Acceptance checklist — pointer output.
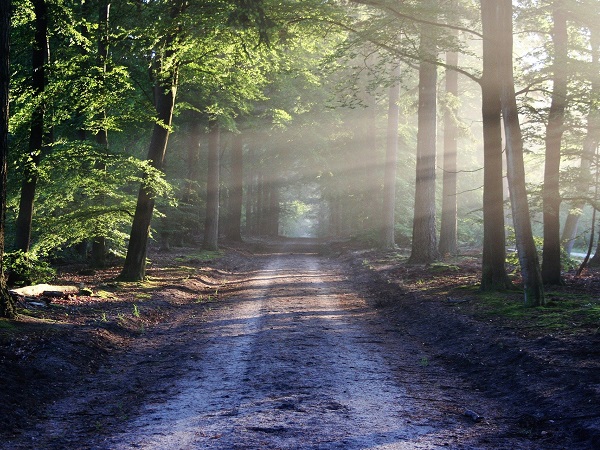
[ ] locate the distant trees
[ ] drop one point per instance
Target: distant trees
(234, 226)
(211, 222)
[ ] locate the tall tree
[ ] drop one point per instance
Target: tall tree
(211, 222)
(493, 269)
(273, 206)
(39, 57)
(590, 143)
(7, 306)
(234, 225)
(424, 240)
(551, 267)
(448, 220)
(99, 241)
(165, 72)
(528, 257)
(391, 160)
(250, 207)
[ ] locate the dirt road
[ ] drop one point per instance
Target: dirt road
(292, 358)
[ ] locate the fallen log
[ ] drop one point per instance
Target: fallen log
(46, 290)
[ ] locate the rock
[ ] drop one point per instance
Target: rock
(473, 415)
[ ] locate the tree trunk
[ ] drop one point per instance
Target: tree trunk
(165, 90)
(391, 159)
(99, 242)
(493, 264)
(261, 202)
(369, 167)
(211, 222)
(551, 273)
(424, 241)
(590, 144)
(273, 216)
(36, 135)
(448, 223)
(528, 258)
(7, 305)
(188, 192)
(234, 226)
(249, 207)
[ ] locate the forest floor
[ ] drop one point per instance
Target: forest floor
(305, 345)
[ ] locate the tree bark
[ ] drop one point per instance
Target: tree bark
(192, 161)
(369, 167)
(590, 144)
(448, 222)
(7, 305)
(250, 192)
(211, 222)
(391, 161)
(424, 241)
(36, 134)
(165, 90)
(551, 273)
(234, 227)
(273, 208)
(528, 258)
(493, 264)
(261, 201)
(99, 242)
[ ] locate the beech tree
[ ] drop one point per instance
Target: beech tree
(551, 265)
(448, 225)
(37, 132)
(588, 146)
(390, 168)
(211, 222)
(424, 239)
(493, 264)
(99, 241)
(236, 189)
(527, 252)
(165, 73)
(7, 306)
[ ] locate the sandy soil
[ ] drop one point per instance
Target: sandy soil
(292, 354)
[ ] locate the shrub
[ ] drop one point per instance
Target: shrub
(23, 269)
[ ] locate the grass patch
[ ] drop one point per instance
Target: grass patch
(104, 294)
(443, 267)
(198, 257)
(7, 325)
(149, 283)
(564, 311)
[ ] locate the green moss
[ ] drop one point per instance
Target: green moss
(443, 267)
(104, 294)
(6, 324)
(563, 311)
(201, 256)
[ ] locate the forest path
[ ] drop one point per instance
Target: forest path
(293, 358)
